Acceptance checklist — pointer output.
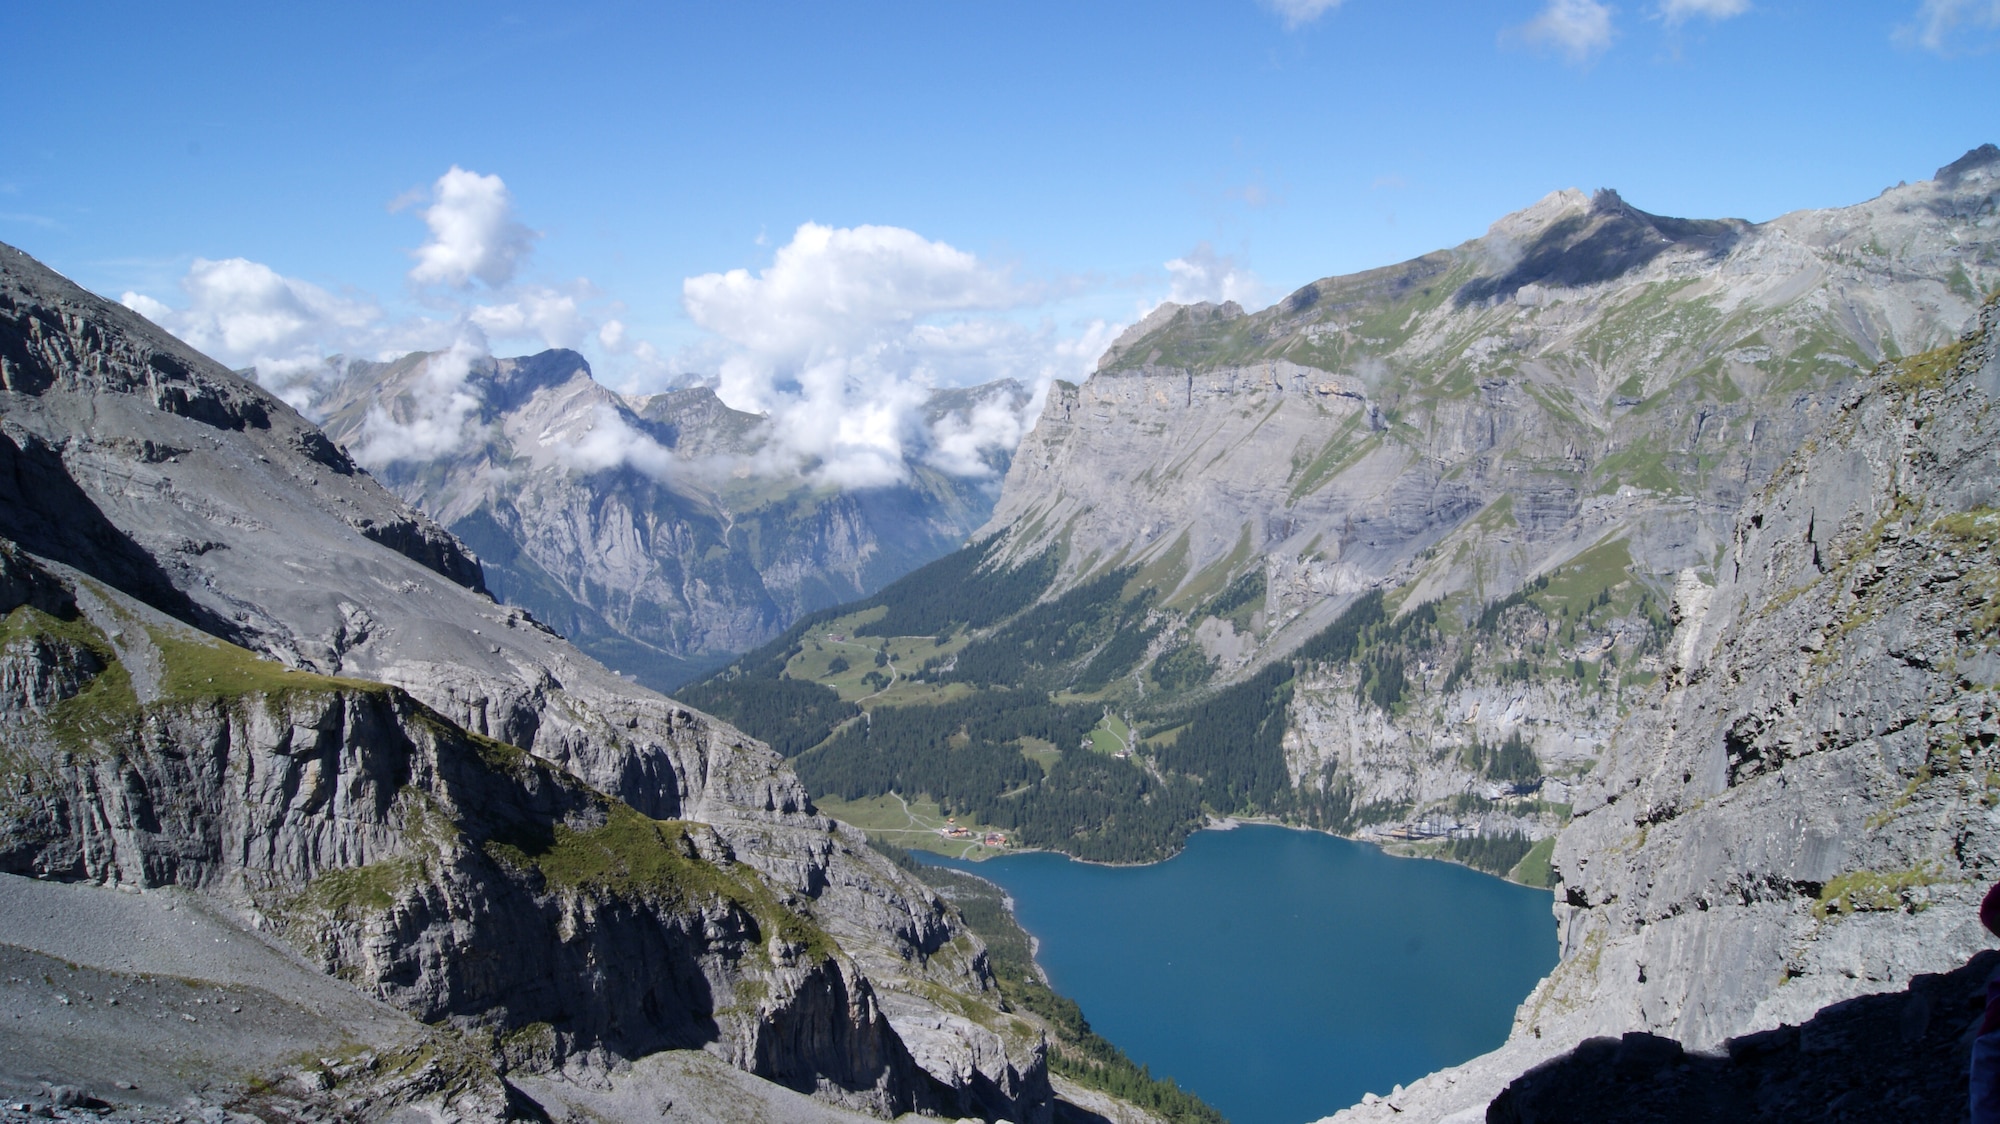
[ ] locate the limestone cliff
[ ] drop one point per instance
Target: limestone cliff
(1804, 812)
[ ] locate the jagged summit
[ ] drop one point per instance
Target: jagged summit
(1576, 244)
(1984, 158)
(662, 532)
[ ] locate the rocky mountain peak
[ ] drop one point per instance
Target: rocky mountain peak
(1531, 220)
(511, 382)
(1152, 322)
(1985, 158)
(1582, 244)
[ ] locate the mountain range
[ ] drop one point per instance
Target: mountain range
(650, 530)
(1393, 557)
(1645, 558)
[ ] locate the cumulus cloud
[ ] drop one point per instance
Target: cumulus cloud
(830, 289)
(843, 338)
(473, 232)
(841, 341)
(545, 314)
(432, 420)
(962, 442)
(1204, 275)
(1680, 11)
(1298, 13)
(1579, 29)
(611, 442)
(1951, 27)
(244, 312)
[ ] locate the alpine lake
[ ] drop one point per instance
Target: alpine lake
(1281, 974)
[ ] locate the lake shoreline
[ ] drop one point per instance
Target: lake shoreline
(1263, 953)
(1229, 823)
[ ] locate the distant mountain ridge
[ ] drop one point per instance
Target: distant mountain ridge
(644, 528)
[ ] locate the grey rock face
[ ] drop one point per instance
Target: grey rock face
(1805, 813)
(429, 867)
(141, 479)
(650, 530)
(1810, 803)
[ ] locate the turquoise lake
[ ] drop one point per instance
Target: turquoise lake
(1281, 974)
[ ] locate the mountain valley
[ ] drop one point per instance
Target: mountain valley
(1644, 559)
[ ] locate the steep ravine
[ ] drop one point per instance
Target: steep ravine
(1805, 811)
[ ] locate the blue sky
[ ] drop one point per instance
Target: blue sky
(1012, 179)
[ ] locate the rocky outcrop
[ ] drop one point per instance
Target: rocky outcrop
(237, 520)
(650, 530)
(1803, 815)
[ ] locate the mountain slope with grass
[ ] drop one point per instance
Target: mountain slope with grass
(1393, 557)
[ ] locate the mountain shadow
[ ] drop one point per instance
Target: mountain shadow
(1901, 1055)
(1606, 242)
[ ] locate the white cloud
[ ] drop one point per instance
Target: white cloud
(842, 339)
(830, 288)
(473, 232)
(246, 314)
(545, 314)
(1204, 275)
(243, 312)
(1580, 29)
(1679, 11)
(611, 442)
(961, 441)
(1951, 27)
(1298, 13)
(432, 421)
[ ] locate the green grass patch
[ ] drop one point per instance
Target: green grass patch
(354, 893)
(1979, 527)
(634, 856)
(1928, 369)
(912, 823)
(1534, 868)
(1872, 891)
(1111, 735)
(199, 667)
(1041, 752)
